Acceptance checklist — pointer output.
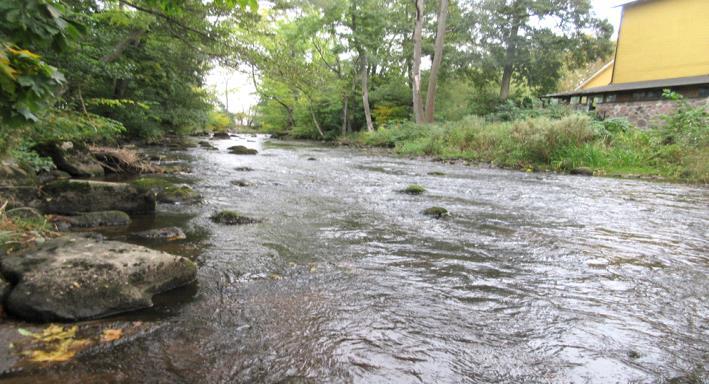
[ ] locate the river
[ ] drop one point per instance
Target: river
(534, 278)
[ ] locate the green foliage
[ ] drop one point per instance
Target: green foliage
(688, 125)
(610, 147)
(29, 158)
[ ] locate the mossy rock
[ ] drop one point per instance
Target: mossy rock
(167, 191)
(242, 150)
(232, 218)
(413, 189)
(436, 212)
(100, 219)
(72, 196)
(207, 145)
(582, 171)
(436, 173)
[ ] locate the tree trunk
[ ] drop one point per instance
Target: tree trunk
(509, 62)
(315, 121)
(365, 91)
(345, 105)
(437, 59)
(416, 71)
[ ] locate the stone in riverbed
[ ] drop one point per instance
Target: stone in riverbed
(207, 145)
(413, 189)
(72, 196)
(241, 183)
(94, 219)
(436, 212)
(583, 171)
(167, 191)
(166, 234)
(232, 218)
(243, 169)
(242, 150)
(78, 277)
(221, 135)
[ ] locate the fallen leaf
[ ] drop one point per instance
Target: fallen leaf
(111, 335)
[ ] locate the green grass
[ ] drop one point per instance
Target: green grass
(613, 147)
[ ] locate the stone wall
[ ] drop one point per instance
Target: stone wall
(644, 114)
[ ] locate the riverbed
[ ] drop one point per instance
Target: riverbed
(534, 278)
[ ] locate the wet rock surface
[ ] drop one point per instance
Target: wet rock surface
(163, 234)
(166, 191)
(80, 277)
(72, 196)
(242, 150)
(91, 220)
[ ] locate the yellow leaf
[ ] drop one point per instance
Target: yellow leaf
(62, 351)
(111, 335)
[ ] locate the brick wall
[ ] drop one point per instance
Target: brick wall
(643, 114)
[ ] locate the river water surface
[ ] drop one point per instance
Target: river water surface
(535, 278)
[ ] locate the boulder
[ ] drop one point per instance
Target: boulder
(206, 145)
(166, 191)
(93, 220)
(232, 218)
(221, 135)
(436, 212)
(72, 196)
(241, 183)
(4, 289)
(583, 171)
(243, 169)
(79, 277)
(166, 234)
(241, 150)
(74, 160)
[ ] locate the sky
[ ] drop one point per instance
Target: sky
(235, 89)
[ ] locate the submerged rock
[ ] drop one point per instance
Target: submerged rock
(311, 159)
(241, 150)
(207, 145)
(232, 218)
(71, 196)
(436, 173)
(166, 234)
(77, 277)
(241, 183)
(413, 189)
(75, 160)
(243, 169)
(221, 135)
(436, 212)
(167, 191)
(93, 220)
(583, 171)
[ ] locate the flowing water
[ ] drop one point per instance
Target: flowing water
(535, 278)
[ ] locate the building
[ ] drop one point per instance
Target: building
(662, 44)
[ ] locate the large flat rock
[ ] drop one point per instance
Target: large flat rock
(72, 196)
(79, 277)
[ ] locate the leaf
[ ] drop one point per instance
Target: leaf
(62, 351)
(24, 332)
(111, 335)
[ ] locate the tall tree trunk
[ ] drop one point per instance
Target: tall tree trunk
(509, 61)
(365, 90)
(315, 121)
(345, 117)
(437, 59)
(416, 71)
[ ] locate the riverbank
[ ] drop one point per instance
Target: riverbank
(574, 144)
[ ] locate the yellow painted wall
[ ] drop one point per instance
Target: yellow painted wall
(601, 78)
(663, 39)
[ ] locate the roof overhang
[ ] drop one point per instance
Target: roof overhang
(650, 84)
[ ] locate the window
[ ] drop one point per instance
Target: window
(647, 95)
(704, 92)
(611, 98)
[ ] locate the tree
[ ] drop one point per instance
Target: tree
(416, 70)
(531, 39)
(436, 62)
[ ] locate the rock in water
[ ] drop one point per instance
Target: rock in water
(583, 171)
(206, 145)
(78, 277)
(241, 150)
(240, 183)
(436, 212)
(167, 234)
(71, 196)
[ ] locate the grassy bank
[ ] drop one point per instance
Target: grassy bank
(679, 151)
